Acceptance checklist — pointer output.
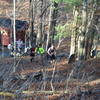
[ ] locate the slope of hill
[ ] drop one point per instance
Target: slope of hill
(51, 81)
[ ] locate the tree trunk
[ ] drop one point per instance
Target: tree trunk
(44, 23)
(81, 48)
(74, 32)
(81, 41)
(52, 23)
(32, 35)
(54, 18)
(49, 28)
(40, 29)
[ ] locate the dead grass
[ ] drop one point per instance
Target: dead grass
(60, 82)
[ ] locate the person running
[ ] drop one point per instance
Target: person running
(32, 53)
(40, 51)
(19, 45)
(51, 53)
(11, 49)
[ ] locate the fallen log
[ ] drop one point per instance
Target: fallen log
(7, 94)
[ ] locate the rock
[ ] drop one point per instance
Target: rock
(38, 76)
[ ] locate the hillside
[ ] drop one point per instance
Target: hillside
(77, 25)
(6, 9)
(42, 80)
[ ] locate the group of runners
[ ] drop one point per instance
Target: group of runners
(39, 50)
(34, 51)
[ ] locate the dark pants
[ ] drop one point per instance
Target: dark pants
(32, 56)
(51, 57)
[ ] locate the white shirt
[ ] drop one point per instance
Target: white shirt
(19, 43)
(9, 46)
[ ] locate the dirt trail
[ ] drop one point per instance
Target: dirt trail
(90, 81)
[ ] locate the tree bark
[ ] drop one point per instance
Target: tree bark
(74, 32)
(81, 41)
(40, 28)
(52, 23)
(32, 35)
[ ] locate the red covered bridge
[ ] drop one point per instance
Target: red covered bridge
(6, 30)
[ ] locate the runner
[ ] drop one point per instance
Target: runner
(19, 45)
(51, 53)
(32, 53)
(40, 51)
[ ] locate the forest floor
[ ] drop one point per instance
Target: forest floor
(45, 81)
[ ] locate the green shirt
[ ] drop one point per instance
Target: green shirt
(40, 50)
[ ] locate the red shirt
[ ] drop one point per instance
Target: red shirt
(32, 49)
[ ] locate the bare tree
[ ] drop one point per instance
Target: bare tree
(40, 31)
(74, 31)
(52, 23)
(32, 35)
